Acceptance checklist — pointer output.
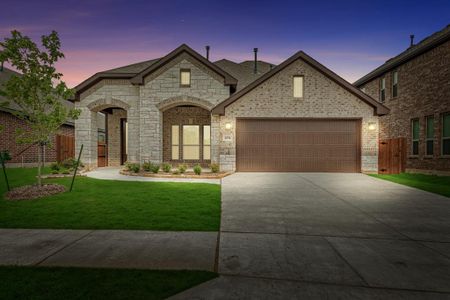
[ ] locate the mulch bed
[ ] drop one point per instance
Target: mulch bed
(190, 175)
(28, 192)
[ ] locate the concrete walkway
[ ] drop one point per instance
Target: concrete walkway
(112, 173)
(109, 249)
(328, 236)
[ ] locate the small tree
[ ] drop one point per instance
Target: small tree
(39, 90)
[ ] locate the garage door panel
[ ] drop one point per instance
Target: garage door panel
(311, 145)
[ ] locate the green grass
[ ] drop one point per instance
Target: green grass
(106, 204)
(431, 183)
(79, 283)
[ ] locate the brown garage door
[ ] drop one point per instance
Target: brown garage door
(298, 145)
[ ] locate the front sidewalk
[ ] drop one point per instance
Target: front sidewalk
(109, 249)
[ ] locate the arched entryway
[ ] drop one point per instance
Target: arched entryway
(111, 148)
(187, 135)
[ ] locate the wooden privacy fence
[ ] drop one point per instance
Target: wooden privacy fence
(65, 147)
(392, 156)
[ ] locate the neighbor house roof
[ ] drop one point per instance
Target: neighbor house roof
(12, 107)
(380, 109)
(423, 46)
(244, 72)
(238, 75)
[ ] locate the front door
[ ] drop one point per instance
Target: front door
(123, 140)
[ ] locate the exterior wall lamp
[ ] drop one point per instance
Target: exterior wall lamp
(228, 126)
(372, 126)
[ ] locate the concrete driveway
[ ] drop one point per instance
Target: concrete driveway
(317, 235)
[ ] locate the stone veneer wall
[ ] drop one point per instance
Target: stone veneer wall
(163, 85)
(144, 105)
(423, 90)
(323, 98)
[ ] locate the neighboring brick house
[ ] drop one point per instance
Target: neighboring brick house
(24, 154)
(416, 89)
(250, 116)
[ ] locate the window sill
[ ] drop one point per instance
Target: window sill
(413, 157)
(428, 157)
(444, 156)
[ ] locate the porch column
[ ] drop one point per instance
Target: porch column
(215, 139)
(86, 134)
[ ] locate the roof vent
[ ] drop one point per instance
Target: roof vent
(207, 52)
(411, 38)
(255, 67)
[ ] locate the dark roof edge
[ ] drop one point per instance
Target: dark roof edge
(139, 78)
(95, 79)
(380, 109)
(13, 111)
(413, 54)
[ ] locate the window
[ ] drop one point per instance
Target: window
(185, 77)
(191, 142)
(175, 142)
(446, 134)
(394, 84)
(298, 86)
(430, 135)
(206, 142)
(415, 136)
(382, 89)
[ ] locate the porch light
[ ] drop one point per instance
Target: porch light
(372, 126)
(228, 126)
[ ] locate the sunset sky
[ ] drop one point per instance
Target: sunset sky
(350, 37)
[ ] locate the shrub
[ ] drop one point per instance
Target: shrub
(182, 168)
(55, 167)
(154, 168)
(65, 171)
(147, 166)
(54, 171)
(132, 167)
(215, 168)
(176, 172)
(71, 163)
(198, 170)
(167, 168)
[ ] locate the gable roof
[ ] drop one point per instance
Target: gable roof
(380, 109)
(243, 72)
(139, 78)
(423, 46)
(12, 107)
(136, 72)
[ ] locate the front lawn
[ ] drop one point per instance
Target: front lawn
(431, 183)
(106, 204)
(79, 283)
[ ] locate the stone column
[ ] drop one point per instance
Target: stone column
(86, 135)
(215, 139)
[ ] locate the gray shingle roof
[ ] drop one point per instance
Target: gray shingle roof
(424, 45)
(5, 75)
(243, 72)
(133, 68)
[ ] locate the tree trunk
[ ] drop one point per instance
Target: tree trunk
(39, 180)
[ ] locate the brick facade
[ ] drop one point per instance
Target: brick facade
(423, 90)
(323, 98)
(183, 115)
(10, 123)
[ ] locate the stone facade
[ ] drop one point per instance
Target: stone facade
(144, 106)
(423, 90)
(323, 98)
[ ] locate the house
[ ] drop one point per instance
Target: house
(26, 155)
(250, 116)
(415, 86)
